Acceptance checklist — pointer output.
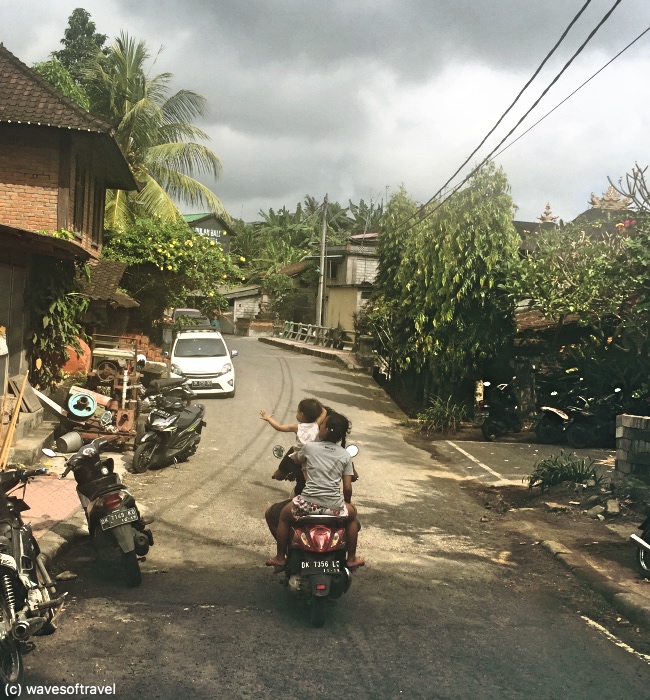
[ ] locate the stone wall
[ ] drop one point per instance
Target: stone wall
(633, 446)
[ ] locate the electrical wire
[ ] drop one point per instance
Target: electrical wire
(491, 154)
(622, 51)
(514, 102)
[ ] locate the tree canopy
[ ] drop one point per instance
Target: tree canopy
(439, 269)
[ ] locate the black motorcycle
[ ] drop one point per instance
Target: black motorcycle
(499, 413)
(28, 602)
(594, 425)
(172, 431)
(114, 521)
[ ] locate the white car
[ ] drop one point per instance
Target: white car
(202, 356)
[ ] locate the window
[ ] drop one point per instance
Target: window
(333, 269)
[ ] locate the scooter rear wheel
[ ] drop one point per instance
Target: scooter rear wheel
(579, 436)
(143, 457)
(549, 432)
(317, 611)
(132, 571)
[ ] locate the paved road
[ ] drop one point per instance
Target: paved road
(511, 462)
(446, 608)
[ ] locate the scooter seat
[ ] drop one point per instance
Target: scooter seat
(106, 484)
(328, 520)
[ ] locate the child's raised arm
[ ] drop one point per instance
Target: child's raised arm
(289, 428)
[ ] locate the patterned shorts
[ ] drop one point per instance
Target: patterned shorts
(302, 507)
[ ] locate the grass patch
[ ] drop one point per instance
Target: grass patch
(558, 469)
(441, 416)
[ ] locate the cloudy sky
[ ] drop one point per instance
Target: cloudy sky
(353, 98)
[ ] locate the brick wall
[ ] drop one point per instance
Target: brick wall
(29, 186)
(633, 446)
(38, 172)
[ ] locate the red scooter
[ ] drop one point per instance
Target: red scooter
(316, 560)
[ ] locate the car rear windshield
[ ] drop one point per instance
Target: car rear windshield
(200, 347)
(191, 313)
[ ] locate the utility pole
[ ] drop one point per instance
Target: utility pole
(321, 274)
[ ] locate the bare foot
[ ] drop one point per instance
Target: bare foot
(355, 563)
(278, 562)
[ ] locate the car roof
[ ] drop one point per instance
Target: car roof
(198, 332)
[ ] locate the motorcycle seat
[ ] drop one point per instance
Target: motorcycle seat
(189, 415)
(106, 484)
(328, 520)
(160, 385)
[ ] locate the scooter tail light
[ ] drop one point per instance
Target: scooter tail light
(112, 501)
(320, 537)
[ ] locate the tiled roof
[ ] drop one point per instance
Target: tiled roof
(105, 275)
(27, 98)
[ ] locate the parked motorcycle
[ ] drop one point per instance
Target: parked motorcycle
(28, 602)
(499, 415)
(172, 431)
(643, 548)
(595, 424)
(551, 422)
(316, 559)
(114, 521)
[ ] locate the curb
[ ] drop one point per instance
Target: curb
(57, 540)
(633, 606)
(347, 359)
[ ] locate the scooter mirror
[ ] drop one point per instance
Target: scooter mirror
(353, 450)
(278, 452)
(48, 452)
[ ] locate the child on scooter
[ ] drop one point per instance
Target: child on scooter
(327, 464)
(309, 416)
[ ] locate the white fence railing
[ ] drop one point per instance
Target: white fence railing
(336, 338)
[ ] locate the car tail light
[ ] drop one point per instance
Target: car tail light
(320, 537)
(111, 501)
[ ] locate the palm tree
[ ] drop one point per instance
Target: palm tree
(155, 134)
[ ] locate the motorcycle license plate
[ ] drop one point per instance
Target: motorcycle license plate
(120, 517)
(202, 383)
(310, 568)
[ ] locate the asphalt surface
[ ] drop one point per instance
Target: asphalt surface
(454, 602)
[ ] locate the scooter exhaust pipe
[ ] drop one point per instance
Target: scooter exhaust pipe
(640, 543)
(141, 542)
(24, 629)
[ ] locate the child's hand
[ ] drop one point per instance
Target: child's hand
(264, 415)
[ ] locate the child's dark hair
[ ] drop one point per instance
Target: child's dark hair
(310, 409)
(338, 426)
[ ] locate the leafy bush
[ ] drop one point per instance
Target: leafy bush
(441, 416)
(558, 469)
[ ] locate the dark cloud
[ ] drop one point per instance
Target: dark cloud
(349, 97)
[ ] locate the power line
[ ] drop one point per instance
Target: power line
(514, 128)
(622, 51)
(514, 102)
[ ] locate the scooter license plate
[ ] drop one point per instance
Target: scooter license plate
(311, 568)
(120, 517)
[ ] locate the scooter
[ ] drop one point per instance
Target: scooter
(316, 559)
(595, 424)
(28, 602)
(172, 434)
(114, 521)
(499, 416)
(643, 548)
